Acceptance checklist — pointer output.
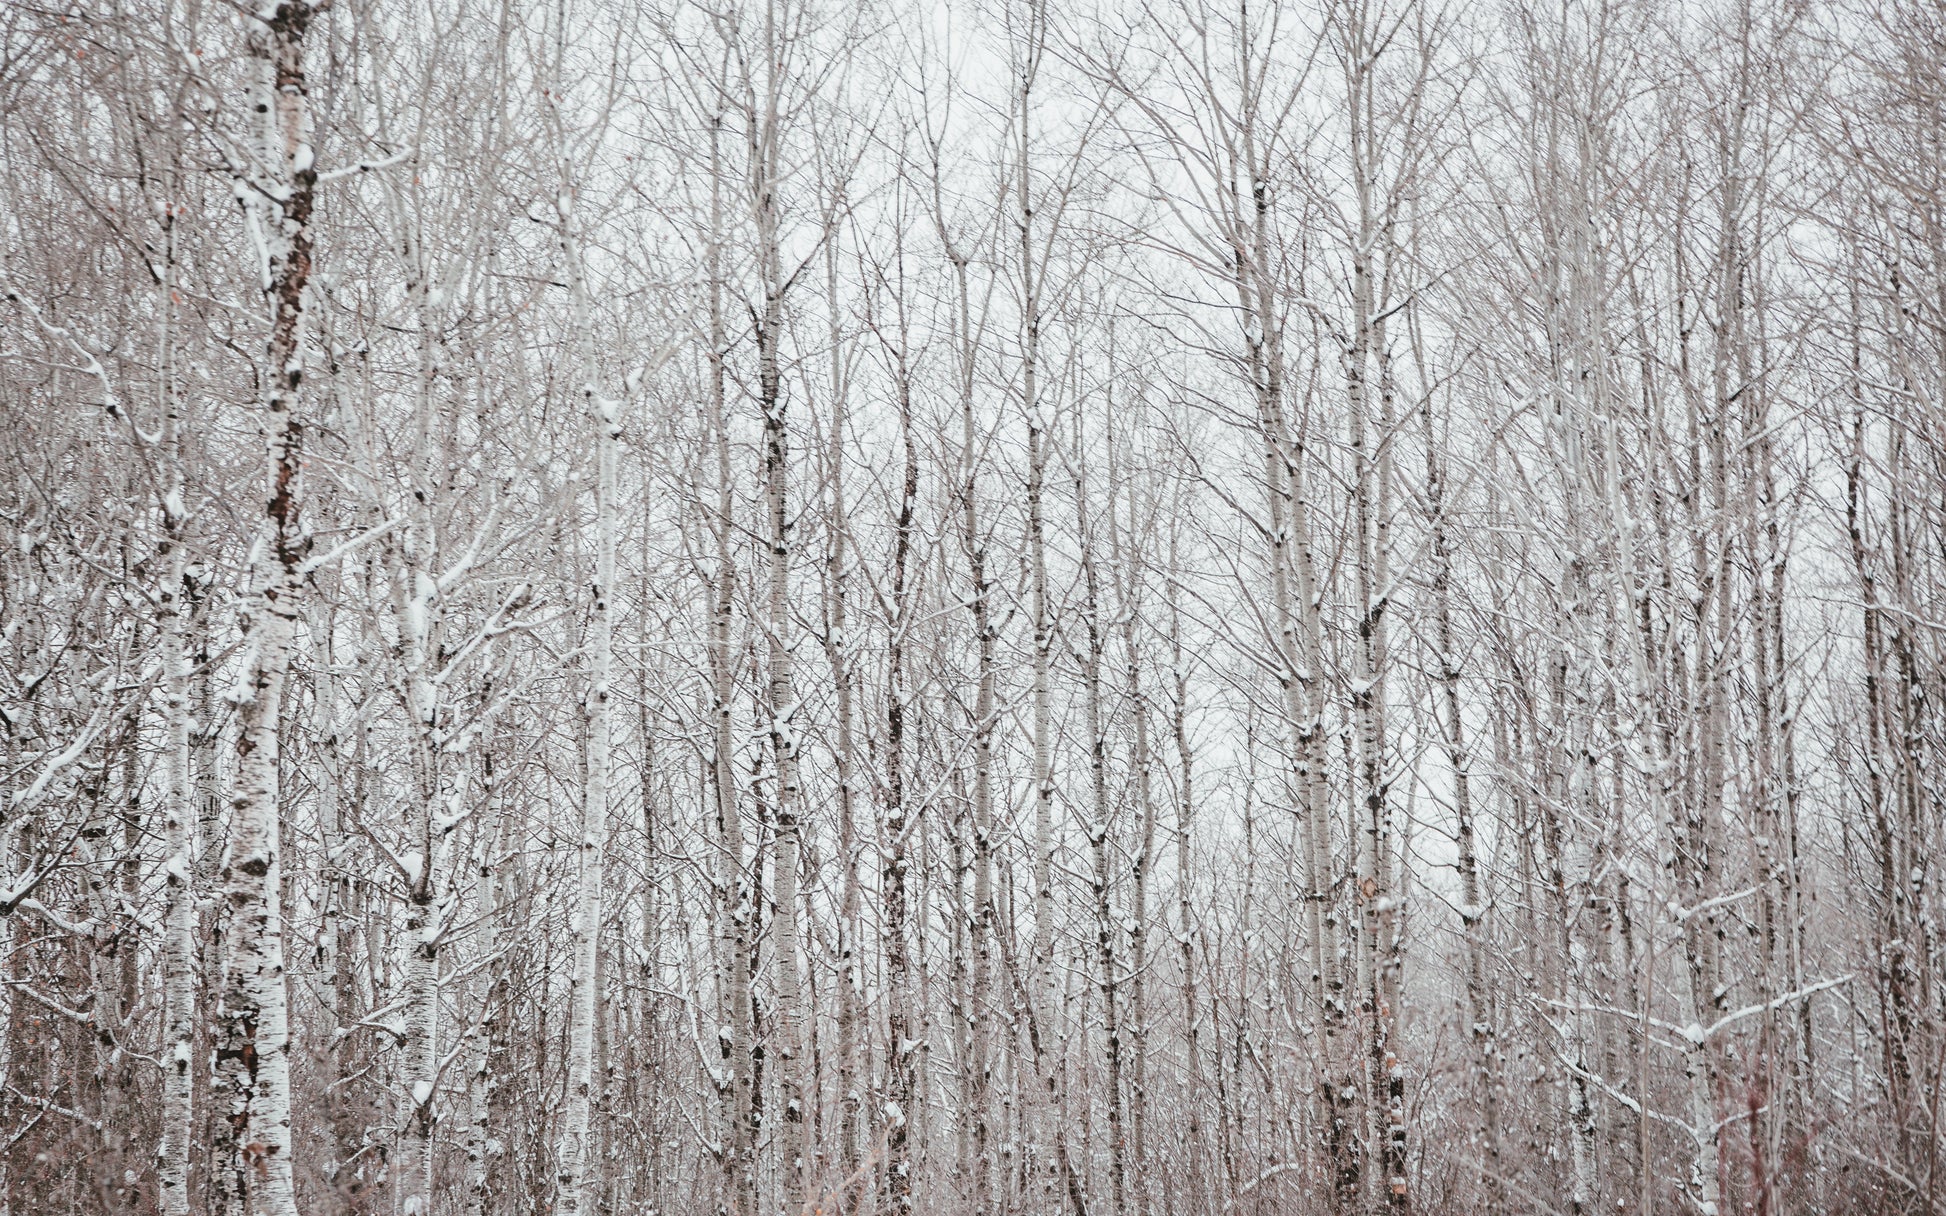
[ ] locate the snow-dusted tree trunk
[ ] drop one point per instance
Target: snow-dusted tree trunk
(1300, 654)
(734, 1072)
(905, 1038)
(981, 1016)
(1027, 54)
(982, 1058)
(333, 963)
(1480, 1030)
(764, 155)
(1196, 1185)
(1577, 1113)
(576, 1152)
(179, 913)
(1097, 826)
(253, 1172)
(839, 649)
(1128, 608)
(418, 604)
(482, 1077)
(1369, 391)
(179, 919)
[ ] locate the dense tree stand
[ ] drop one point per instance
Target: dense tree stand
(994, 608)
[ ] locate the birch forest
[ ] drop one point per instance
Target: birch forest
(964, 607)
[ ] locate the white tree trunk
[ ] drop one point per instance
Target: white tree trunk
(905, 1043)
(253, 1029)
(1041, 988)
(481, 1079)
(179, 920)
(576, 1148)
(1097, 828)
(179, 913)
(786, 965)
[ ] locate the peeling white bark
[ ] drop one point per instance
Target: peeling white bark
(252, 1163)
